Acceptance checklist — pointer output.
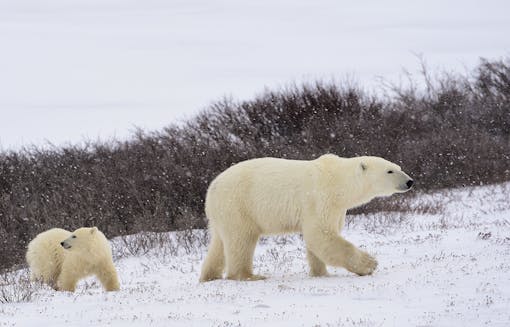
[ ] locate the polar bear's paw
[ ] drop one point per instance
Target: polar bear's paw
(246, 277)
(362, 263)
(255, 277)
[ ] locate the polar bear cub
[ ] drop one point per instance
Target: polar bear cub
(273, 196)
(61, 258)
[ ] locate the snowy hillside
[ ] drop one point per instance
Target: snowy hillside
(449, 267)
(89, 68)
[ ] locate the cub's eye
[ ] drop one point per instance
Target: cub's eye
(74, 236)
(390, 171)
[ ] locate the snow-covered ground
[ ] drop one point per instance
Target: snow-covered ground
(71, 69)
(450, 268)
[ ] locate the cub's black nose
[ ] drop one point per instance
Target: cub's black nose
(410, 183)
(62, 243)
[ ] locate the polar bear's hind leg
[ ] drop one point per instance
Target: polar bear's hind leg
(215, 260)
(239, 250)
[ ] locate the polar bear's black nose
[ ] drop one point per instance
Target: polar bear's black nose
(410, 183)
(62, 243)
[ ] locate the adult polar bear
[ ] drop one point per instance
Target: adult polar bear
(272, 196)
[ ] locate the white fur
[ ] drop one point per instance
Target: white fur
(87, 253)
(269, 196)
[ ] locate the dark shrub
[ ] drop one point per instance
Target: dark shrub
(454, 133)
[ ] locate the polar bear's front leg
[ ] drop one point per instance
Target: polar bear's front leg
(317, 266)
(334, 250)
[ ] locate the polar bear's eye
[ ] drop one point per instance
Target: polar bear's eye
(390, 171)
(74, 236)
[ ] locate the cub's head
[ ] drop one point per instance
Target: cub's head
(82, 238)
(383, 178)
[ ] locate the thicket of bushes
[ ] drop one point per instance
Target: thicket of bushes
(455, 132)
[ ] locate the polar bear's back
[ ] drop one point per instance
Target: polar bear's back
(45, 254)
(269, 192)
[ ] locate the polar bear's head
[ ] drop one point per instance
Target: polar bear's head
(381, 177)
(83, 238)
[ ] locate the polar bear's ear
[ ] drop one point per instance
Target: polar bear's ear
(93, 230)
(363, 166)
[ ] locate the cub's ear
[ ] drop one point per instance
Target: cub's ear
(93, 230)
(363, 166)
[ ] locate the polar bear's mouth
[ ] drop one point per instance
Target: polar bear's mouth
(65, 245)
(407, 186)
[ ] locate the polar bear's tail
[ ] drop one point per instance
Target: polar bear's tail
(214, 263)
